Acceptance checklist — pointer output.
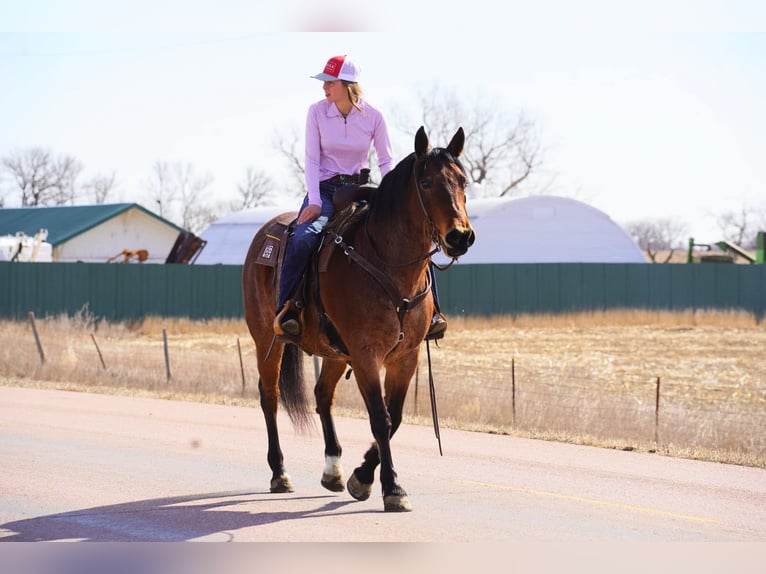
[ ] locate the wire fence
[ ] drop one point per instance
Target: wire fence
(563, 399)
(567, 399)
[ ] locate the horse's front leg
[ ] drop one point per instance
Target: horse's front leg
(360, 483)
(399, 373)
(324, 391)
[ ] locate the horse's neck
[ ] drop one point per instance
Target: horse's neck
(402, 241)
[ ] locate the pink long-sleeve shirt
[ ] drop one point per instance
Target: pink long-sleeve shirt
(337, 145)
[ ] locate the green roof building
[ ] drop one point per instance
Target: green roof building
(96, 233)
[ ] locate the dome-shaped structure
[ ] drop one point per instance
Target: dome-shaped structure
(546, 229)
(535, 229)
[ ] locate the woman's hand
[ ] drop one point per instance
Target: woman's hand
(309, 213)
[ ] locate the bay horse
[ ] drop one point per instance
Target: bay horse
(368, 310)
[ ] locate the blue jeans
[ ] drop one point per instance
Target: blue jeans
(303, 243)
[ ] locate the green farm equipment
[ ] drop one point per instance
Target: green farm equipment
(728, 251)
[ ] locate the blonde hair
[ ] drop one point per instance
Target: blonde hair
(354, 93)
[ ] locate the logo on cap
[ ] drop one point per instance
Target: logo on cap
(334, 65)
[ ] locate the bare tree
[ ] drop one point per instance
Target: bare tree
(158, 186)
(654, 236)
(99, 187)
(42, 178)
(180, 194)
(289, 147)
(739, 227)
(501, 152)
(195, 210)
(256, 189)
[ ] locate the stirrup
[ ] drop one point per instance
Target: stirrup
(437, 328)
(287, 325)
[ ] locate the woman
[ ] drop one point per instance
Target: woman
(339, 132)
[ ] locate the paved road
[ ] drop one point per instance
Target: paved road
(78, 466)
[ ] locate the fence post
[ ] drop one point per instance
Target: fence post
(37, 337)
(657, 413)
(100, 356)
(167, 356)
(241, 366)
(513, 391)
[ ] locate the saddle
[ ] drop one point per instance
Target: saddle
(350, 202)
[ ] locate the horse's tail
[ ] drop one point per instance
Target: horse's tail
(292, 388)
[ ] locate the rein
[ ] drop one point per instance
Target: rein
(401, 304)
(432, 395)
(444, 267)
(396, 265)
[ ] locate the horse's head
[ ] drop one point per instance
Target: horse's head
(440, 181)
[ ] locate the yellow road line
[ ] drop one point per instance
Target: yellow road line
(593, 501)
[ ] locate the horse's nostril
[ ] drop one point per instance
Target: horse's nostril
(459, 240)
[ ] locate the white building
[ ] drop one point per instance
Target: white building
(535, 229)
(546, 229)
(229, 238)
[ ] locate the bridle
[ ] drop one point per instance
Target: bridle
(435, 238)
(434, 233)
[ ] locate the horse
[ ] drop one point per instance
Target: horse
(368, 309)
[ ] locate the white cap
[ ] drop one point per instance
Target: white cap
(339, 68)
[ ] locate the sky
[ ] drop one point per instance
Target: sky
(644, 111)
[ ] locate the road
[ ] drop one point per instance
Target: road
(89, 467)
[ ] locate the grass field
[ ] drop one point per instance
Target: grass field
(679, 384)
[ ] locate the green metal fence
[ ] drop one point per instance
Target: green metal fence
(563, 287)
(120, 291)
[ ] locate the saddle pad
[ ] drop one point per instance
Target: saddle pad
(269, 251)
(275, 233)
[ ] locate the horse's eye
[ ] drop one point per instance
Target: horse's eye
(425, 183)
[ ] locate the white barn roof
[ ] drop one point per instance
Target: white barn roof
(228, 239)
(546, 229)
(535, 229)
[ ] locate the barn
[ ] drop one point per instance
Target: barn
(535, 229)
(546, 229)
(124, 232)
(228, 239)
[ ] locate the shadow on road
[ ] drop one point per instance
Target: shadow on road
(171, 519)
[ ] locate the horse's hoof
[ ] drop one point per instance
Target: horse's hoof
(333, 483)
(281, 484)
(357, 489)
(396, 503)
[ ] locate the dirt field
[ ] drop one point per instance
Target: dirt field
(686, 385)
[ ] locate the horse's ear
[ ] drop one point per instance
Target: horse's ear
(455, 146)
(421, 142)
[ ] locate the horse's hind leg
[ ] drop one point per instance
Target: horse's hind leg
(324, 391)
(268, 387)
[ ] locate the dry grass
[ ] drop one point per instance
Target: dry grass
(584, 378)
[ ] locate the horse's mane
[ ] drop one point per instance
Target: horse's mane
(387, 198)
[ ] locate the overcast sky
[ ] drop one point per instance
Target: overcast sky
(666, 118)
